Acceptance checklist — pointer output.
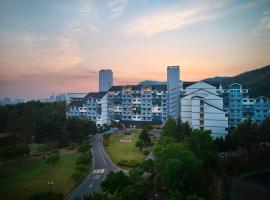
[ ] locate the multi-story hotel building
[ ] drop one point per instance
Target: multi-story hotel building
(204, 105)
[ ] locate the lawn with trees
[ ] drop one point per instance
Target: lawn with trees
(188, 165)
(22, 179)
(122, 150)
(38, 145)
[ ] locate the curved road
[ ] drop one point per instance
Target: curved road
(102, 165)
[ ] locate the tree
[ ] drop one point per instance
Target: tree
(14, 150)
(176, 130)
(128, 192)
(184, 130)
(170, 129)
(78, 129)
(177, 166)
(144, 137)
(53, 158)
(201, 143)
(139, 144)
(264, 131)
(115, 181)
(84, 148)
(245, 134)
(27, 125)
(83, 159)
(148, 165)
(174, 195)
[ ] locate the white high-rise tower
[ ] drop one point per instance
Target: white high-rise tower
(173, 87)
(105, 80)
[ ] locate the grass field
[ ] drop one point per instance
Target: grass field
(118, 150)
(21, 179)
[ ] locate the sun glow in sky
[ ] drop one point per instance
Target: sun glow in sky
(59, 45)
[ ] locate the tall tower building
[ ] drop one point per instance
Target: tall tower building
(173, 87)
(105, 80)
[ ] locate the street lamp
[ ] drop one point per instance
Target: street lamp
(50, 183)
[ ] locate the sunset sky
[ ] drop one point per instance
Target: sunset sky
(54, 46)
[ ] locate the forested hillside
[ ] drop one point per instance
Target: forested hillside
(257, 81)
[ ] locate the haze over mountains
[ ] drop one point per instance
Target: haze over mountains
(257, 81)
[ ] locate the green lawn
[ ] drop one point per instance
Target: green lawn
(123, 150)
(21, 179)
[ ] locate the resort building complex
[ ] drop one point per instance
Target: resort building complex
(204, 105)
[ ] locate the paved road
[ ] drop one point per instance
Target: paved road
(102, 165)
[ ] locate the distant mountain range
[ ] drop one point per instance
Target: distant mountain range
(149, 82)
(216, 78)
(257, 81)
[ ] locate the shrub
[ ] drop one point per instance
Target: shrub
(146, 152)
(126, 163)
(133, 163)
(83, 159)
(14, 151)
(122, 162)
(41, 148)
(127, 133)
(53, 158)
(55, 151)
(84, 148)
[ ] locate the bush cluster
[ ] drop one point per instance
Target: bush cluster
(53, 157)
(128, 163)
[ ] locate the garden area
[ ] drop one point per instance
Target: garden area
(123, 151)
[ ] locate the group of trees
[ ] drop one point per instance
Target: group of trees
(186, 164)
(41, 123)
(177, 172)
(183, 158)
(144, 139)
(247, 136)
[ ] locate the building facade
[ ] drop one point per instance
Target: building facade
(137, 104)
(203, 105)
(240, 105)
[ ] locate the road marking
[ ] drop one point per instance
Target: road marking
(98, 171)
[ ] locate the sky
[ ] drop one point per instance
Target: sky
(57, 46)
